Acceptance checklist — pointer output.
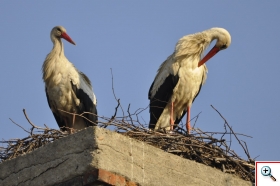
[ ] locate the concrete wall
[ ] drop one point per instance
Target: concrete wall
(109, 158)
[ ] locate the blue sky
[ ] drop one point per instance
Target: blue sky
(134, 38)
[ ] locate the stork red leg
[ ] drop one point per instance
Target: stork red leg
(188, 124)
(171, 117)
(73, 121)
(72, 130)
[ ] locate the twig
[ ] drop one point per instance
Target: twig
(232, 131)
(33, 126)
(20, 126)
(129, 115)
(113, 89)
(114, 116)
(196, 119)
(246, 149)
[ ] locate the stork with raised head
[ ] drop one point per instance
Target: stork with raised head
(67, 89)
(180, 77)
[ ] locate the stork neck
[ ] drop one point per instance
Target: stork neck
(221, 35)
(58, 49)
(213, 34)
(55, 56)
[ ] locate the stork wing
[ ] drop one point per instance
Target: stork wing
(58, 119)
(161, 89)
(84, 93)
(159, 101)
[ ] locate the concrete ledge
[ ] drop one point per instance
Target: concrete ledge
(96, 156)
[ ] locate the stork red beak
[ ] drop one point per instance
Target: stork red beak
(67, 38)
(210, 54)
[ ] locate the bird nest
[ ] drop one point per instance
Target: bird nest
(201, 146)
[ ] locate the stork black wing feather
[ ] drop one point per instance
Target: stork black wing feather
(86, 105)
(159, 101)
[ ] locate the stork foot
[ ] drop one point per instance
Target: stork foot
(72, 131)
(171, 132)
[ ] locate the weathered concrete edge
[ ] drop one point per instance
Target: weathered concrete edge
(55, 162)
(148, 165)
(94, 148)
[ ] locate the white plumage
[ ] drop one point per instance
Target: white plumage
(67, 89)
(180, 77)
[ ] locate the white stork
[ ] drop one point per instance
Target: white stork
(67, 89)
(180, 77)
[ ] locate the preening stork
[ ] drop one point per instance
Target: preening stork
(180, 77)
(67, 89)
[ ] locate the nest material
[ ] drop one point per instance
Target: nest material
(201, 146)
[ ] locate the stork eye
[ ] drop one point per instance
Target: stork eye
(59, 29)
(224, 46)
